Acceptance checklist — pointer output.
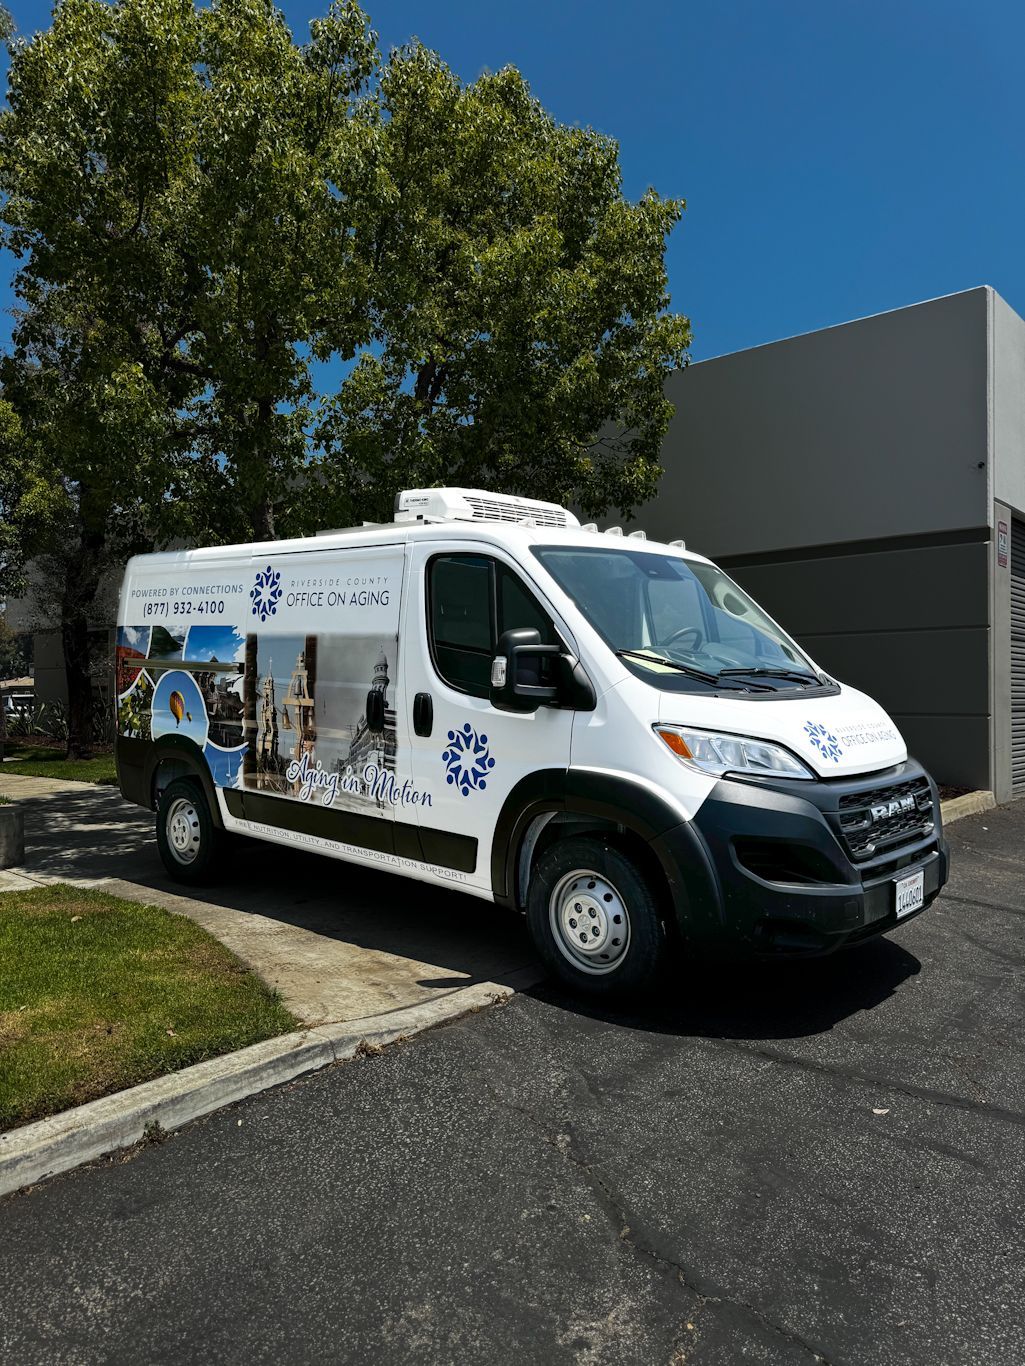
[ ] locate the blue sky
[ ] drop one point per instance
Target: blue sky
(220, 642)
(839, 157)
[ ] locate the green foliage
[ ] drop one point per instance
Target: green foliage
(280, 153)
(201, 208)
(195, 200)
(31, 501)
(167, 195)
(36, 762)
(48, 719)
(134, 710)
(15, 652)
(521, 338)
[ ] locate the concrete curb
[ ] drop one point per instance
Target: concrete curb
(50, 1146)
(968, 805)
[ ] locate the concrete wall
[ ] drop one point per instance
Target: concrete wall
(844, 479)
(1008, 352)
(911, 628)
(51, 684)
(874, 429)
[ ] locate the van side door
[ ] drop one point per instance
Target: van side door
(324, 720)
(468, 756)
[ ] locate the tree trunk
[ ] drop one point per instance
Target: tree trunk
(78, 672)
(81, 568)
(263, 520)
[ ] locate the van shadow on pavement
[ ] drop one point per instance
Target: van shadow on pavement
(761, 999)
(341, 942)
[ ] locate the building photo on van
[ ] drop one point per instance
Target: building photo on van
(602, 732)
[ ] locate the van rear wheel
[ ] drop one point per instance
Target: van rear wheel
(595, 918)
(187, 838)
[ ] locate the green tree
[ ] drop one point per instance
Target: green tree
(282, 152)
(521, 333)
(200, 208)
(165, 194)
(15, 651)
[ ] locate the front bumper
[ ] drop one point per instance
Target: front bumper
(766, 867)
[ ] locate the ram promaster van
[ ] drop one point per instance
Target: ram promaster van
(600, 731)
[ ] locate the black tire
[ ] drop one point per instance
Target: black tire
(187, 838)
(588, 891)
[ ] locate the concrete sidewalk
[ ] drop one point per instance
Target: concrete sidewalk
(337, 941)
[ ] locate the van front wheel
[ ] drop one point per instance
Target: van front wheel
(187, 838)
(594, 918)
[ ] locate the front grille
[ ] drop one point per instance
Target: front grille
(866, 832)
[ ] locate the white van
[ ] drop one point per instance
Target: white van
(600, 731)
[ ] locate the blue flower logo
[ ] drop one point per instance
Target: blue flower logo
(265, 593)
(467, 760)
(824, 741)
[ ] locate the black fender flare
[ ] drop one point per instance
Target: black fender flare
(618, 800)
(138, 761)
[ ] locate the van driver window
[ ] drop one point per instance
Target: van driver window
(472, 600)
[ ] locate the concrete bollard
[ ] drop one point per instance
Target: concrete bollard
(12, 835)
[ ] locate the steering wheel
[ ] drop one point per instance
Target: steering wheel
(694, 631)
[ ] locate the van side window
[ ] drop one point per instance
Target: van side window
(471, 600)
(461, 626)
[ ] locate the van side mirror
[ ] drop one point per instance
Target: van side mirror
(516, 671)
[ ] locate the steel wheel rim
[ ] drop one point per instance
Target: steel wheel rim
(589, 922)
(184, 834)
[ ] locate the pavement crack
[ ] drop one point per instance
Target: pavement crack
(945, 1099)
(626, 1229)
(1014, 960)
(915, 1146)
(986, 905)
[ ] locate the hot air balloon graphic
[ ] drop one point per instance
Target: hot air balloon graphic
(176, 705)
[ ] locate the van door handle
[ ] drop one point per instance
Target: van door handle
(423, 713)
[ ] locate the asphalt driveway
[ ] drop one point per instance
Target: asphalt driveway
(819, 1163)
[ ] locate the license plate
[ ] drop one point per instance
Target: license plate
(910, 893)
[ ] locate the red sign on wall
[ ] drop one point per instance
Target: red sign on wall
(1002, 544)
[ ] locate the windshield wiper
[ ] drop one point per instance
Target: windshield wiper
(688, 669)
(802, 675)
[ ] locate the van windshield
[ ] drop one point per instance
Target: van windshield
(679, 624)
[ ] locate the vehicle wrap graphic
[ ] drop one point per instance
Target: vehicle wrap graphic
(468, 760)
(279, 702)
(266, 593)
(824, 741)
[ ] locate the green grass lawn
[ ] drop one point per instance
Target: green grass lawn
(98, 993)
(34, 761)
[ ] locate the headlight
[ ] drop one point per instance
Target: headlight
(717, 754)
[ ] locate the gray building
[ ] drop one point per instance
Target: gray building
(866, 483)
